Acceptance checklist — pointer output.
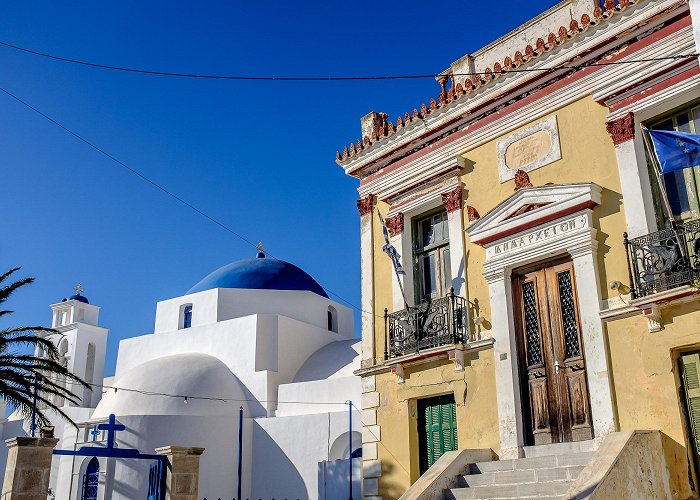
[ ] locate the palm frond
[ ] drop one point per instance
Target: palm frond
(33, 384)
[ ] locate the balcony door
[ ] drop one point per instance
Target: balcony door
(550, 356)
(432, 256)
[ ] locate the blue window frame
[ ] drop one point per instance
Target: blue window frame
(187, 317)
(91, 480)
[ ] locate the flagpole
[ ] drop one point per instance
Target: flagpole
(662, 187)
(396, 271)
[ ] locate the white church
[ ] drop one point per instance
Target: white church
(258, 333)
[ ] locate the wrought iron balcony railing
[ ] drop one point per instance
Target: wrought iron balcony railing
(663, 260)
(435, 323)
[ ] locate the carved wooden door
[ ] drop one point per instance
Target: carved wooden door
(550, 351)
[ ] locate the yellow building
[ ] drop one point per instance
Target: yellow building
(542, 302)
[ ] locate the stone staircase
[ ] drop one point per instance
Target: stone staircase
(546, 472)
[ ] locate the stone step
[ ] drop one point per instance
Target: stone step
(545, 450)
(572, 459)
(522, 476)
(549, 489)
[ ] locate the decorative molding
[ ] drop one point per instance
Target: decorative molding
(395, 224)
(381, 173)
(472, 213)
(458, 357)
(522, 180)
(364, 205)
(622, 129)
(461, 90)
(400, 375)
(555, 201)
(452, 199)
(529, 149)
(653, 315)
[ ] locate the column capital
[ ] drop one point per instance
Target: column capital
(452, 199)
(395, 224)
(622, 129)
(179, 450)
(364, 205)
(29, 441)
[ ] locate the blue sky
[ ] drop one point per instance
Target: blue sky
(259, 156)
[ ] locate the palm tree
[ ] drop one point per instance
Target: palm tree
(27, 382)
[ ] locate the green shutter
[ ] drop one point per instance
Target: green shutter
(691, 385)
(439, 429)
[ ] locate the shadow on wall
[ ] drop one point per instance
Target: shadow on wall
(333, 479)
(281, 478)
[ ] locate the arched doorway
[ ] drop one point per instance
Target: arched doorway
(91, 480)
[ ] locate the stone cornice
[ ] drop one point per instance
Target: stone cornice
(469, 137)
(619, 25)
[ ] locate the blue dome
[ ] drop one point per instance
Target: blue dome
(79, 298)
(259, 274)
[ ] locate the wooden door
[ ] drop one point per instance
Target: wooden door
(437, 429)
(550, 355)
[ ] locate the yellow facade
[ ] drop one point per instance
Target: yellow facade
(638, 340)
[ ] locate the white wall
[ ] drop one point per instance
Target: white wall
(244, 344)
(223, 304)
(287, 453)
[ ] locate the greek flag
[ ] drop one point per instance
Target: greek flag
(389, 249)
(676, 150)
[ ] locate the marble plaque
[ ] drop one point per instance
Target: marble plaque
(529, 149)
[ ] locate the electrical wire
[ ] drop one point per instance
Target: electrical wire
(318, 78)
(165, 190)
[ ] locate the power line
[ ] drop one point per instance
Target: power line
(162, 188)
(206, 76)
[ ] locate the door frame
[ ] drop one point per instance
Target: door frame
(575, 236)
(549, 350)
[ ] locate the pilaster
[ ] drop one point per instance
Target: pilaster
(631, 163)
(506, 359)
(365, 207)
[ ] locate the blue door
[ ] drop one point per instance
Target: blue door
(91, 480)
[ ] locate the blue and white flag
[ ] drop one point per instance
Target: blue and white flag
(389, 249)
(676, 150)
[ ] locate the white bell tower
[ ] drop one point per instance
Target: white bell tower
(81, 343)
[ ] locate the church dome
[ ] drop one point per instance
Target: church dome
(259, 273)
(191, 374)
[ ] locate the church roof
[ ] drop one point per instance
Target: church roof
(260, 273)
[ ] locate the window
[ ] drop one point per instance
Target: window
(432, 256)
(332, 319)
(187, 316)
(682, 185)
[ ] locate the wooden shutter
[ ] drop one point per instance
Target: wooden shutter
(440, 429)
(691, 385)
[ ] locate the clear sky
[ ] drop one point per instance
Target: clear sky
(259, 156)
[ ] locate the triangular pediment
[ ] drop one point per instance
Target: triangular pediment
(532, 206)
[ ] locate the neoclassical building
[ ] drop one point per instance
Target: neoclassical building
(549, 305)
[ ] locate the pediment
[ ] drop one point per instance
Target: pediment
(532, 206)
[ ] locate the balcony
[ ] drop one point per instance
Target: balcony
(439, 322)
(663, 260)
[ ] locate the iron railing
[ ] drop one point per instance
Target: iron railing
(435, 323)
(664, 260)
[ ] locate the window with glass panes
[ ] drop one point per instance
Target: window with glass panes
(682, 185)
(432, 256)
